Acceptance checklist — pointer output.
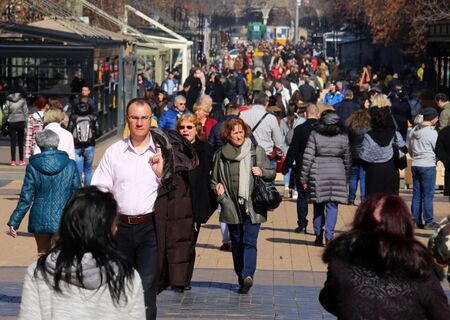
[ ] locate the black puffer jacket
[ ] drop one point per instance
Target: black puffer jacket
(326, 161)
(355, 290)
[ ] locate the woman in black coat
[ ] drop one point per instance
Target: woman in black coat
(203, 200)
(378, 270)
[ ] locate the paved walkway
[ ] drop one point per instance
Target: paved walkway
(289, 277)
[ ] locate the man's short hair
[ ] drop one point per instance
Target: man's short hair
(261, 98)
(47, 139)
(231, 108)
(348, 95)
(441, 97)
(138, 101)
(179, 98)
(312, 110)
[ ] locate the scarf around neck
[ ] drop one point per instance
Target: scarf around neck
(243, 155)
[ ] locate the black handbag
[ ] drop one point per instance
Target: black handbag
(5, 128)
(399, 157)
(264, 195)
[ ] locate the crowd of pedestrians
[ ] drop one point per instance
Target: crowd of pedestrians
(195, 148)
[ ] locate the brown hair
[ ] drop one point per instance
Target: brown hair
(359, 119)
(198, 126)
(228, 126)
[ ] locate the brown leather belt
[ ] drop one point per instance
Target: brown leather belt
(136, 219)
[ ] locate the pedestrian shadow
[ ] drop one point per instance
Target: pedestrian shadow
(207, 246)
(10, 299)
(22, 234)
(423, 235)
(210, 226)
(291, 241)
(215, 285)
(277, 229)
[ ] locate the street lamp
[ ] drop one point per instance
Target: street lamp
(298, 3)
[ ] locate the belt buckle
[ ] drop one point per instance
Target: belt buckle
(129, 218)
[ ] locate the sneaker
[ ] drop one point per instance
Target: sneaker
(13, 163)
(247, 283)
(286, 192)
(21, 163)
(431, 225)
(295, 195)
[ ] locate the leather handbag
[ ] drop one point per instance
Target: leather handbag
(399, 156)
(264, 195)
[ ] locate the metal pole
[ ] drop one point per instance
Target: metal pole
(297, 3)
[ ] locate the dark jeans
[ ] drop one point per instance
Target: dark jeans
(138, 245)
(302, 204)
(244, 238)
(17, 134)
(357, 172)
(424, 184)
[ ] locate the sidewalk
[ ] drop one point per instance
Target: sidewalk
(289, 277)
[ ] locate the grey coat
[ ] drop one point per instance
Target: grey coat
(229, 200)
(326, 167)
(15, 108)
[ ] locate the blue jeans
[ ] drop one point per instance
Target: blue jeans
(325, 214)
(424, 181)
(84, 157)
(244, 238)
(357, 172)
(302, 204)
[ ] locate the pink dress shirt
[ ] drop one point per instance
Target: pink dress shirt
(127, 174)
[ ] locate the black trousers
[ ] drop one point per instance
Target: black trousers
(138, 245)
(382, 178)
(17, 134)
(193, 254)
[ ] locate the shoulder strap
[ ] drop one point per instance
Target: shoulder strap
(259, 122)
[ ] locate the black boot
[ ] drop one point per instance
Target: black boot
(319, 241)
(302, 227)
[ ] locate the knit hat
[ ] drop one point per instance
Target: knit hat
(429, 114)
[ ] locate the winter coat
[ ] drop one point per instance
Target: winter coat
(90, 301)
(173, 209)
(15, 108)
(356, 137)
(443, 154)
(50, 180)
(401, 111)
(230, 212)
(203, 199)
(345, 109)
(354, 290)
(169, 118)
(307, 93)
(444, 116)
(326, 163)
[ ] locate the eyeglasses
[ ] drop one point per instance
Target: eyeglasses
(136, 119)
(189, 127)
(182, 103)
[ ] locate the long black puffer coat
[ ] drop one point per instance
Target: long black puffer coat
(326, 161)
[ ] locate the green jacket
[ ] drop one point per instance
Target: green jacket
(229, 200)
(259, 85)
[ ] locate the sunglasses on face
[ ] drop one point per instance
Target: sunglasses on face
(189, 127)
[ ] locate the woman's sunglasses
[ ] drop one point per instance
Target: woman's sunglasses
(189, 127)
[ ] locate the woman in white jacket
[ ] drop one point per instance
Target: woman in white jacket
(83, 276)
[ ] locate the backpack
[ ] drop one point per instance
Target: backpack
(83, 131)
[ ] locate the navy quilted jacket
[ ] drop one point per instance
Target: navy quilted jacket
(50, 179)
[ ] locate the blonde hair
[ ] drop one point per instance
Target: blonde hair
(381, 101)
(197, 124)
(53, 115)
(203, 106)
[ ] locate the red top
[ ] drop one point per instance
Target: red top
(209, 124)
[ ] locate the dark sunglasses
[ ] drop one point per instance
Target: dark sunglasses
(189, 127)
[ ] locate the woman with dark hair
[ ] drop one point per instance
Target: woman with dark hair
(377, 150)
(161, 103)
(358, 124)
(325, 170)
(84, 276)
(378, 270)
(232, 180)
(203, 200)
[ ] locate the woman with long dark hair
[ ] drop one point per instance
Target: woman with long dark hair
(84, 276)
(378, 270)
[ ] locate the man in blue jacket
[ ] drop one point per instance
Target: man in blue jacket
(169, 118)
(333, 97)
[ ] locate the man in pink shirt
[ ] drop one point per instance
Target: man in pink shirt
(132, 170)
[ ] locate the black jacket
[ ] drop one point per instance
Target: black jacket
(307, 92)
(203, 200)
(354, 289)
(298, 145)
(345, 109)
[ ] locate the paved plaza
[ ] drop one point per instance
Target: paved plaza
(289, 277)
